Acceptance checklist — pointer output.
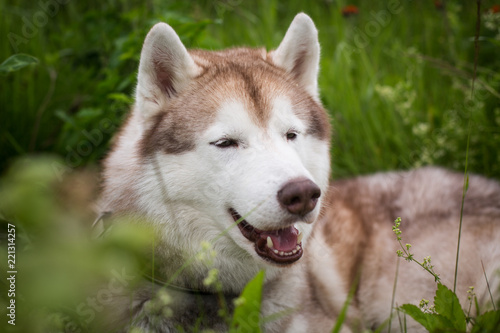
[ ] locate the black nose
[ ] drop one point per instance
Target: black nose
(300, 196)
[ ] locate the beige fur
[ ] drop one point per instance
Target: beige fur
(357, 230)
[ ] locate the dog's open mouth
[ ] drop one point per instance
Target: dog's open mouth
(282, 246)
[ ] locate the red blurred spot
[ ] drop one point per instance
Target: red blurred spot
(438, 4)
(495, 9)
(350, 10)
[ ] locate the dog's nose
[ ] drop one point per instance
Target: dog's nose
(300, 196)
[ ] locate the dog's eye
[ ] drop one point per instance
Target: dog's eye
(291, 136)
(225, 143)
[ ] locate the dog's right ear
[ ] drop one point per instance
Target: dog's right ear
(165, 69)
(298, 53)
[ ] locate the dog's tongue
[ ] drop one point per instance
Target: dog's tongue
(283, 239)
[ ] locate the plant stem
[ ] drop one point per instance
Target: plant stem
(393, 295)
(464, 191)
(408, 256)
(488, 285)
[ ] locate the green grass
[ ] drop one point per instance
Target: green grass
(397, 88)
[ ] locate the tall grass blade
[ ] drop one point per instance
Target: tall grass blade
(464, 191)
(488, 285)
(393, 295)
(343, 313)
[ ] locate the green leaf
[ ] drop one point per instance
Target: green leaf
(246, 316)
(447, 305)
(493, 41)
(120, 97)
(488, 322)
(16, 62)
(431, 321)
(65, 118)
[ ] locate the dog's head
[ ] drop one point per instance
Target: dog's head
(239, 135)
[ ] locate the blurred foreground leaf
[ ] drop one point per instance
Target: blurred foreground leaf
(66, 279)
(246, 316)
(17, 62)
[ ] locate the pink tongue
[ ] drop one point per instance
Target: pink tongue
(284, 239)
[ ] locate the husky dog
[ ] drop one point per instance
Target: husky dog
(231, 148)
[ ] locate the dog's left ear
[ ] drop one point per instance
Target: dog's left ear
(298, 53)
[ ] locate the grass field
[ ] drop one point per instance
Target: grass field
(398, 85)
(396, 77)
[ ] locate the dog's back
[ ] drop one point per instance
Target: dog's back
(356, 227)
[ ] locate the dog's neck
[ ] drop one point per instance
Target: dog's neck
(285, 287)
(187, 267)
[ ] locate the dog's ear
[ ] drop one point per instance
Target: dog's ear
(165, 69)
(298, 53)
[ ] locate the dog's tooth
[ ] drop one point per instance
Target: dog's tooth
(299, 237)
(270, 242)
(275, 251)
(294, 251)
(298, 247)
(282, 253)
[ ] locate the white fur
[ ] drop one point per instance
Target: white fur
(190, 194)
(301, 40)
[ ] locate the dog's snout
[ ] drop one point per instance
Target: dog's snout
(299, 197)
